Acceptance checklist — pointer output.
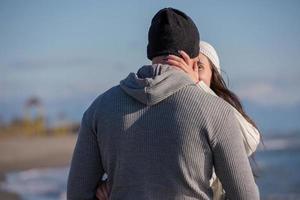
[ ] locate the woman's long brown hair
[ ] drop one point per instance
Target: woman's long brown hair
(219, 86)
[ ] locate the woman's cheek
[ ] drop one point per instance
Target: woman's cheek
(204, 78)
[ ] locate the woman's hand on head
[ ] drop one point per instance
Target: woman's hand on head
(102, 191)
(185, 63)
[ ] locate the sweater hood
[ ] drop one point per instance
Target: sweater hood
(154, 83)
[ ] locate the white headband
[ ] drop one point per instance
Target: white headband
(210, 53)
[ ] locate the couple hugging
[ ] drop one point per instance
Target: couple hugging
(170, 131)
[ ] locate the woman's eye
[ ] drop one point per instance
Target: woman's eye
(200, 67)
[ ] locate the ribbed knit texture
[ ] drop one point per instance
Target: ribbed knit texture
(161, 152)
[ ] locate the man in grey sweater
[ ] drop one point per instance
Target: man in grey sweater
(156, 135)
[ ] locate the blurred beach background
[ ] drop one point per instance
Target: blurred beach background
(56, 57)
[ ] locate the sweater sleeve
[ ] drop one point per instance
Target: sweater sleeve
(231, 162)
(86, 167)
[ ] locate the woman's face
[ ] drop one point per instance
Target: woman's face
(205, 71)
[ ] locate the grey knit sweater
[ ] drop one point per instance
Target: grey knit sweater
(158, 136)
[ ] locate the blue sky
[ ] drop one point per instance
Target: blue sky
(68, 52)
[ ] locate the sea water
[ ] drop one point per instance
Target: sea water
(38, 184)
(279, 174)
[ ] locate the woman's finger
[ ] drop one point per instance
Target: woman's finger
(185, 56)
(104, 191)
(99, 194)
(107, 188)
(177, 58)
(196, 70)
(176, 64)
(191, 71)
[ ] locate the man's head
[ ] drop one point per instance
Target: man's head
(172, 30)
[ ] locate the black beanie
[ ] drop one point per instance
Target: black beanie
(172, 30)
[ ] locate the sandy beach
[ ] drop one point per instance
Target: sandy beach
(21, 153)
